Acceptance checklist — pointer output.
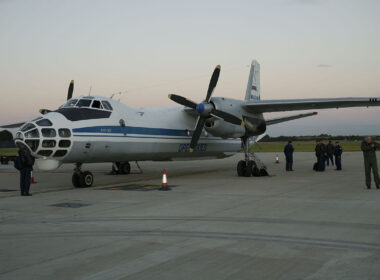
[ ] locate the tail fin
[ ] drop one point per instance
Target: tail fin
(253, 86)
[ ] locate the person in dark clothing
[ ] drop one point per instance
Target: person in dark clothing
(288, 151)
(370, 161)
(27, 162)
(320, 151)
(338, 156)
(330, 153)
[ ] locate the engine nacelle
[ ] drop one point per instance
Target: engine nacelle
(224, 129)
(255, 126)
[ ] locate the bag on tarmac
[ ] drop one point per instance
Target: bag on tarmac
(315, 166)
(18, 163)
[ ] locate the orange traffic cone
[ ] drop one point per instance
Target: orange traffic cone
(32, 178)
(164, 184)
(277, 160)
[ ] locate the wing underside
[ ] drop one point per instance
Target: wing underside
(289, 118)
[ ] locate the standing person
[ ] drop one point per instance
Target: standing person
(27, 162)
(320, 154)
(338, 156)
(330, 153)
(288, 151)
(370, 161)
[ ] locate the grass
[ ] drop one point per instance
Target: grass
(8, 151)
(302, 146)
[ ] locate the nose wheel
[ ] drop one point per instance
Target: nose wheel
(252, 165)
(82, 179)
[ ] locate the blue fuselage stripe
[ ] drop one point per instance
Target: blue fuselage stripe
(132, 130)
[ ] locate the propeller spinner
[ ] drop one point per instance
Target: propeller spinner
(206, 109)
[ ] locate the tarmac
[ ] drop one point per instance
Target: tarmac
(211, 225)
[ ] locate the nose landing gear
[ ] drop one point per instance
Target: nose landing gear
(82, 179)
(121, 167)
(252, 165)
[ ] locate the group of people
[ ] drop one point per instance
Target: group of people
(326, 154)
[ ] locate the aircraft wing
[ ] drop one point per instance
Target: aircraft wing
(12, 128)
(266, 106)
(289, 118)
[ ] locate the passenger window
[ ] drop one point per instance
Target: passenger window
(84, 103)
(107, 105)
(48, 132)
(64, 132)
(96, 104)
(44, 122)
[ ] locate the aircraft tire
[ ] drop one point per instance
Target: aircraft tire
(86, 179)
(248, 170)
(256, 171)
(76, 180)
(124, 168)
(241, 166)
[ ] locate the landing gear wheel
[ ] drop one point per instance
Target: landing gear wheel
(86, 179)
(263, 172)
(256, 171)
(124, 168)
(241, 167)
(248, 170)
(76, 180)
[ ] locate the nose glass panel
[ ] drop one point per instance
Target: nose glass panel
(48, 132)
(33, 144)
(32, 134)
(27, 127)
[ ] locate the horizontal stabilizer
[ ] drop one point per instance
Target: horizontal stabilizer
(289, 118)
(267, 106)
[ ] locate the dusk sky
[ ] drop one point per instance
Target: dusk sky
(147, 49)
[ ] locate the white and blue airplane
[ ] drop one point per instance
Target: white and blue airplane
(91, 129)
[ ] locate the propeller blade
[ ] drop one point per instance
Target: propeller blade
(227, 117)
(70, 90)
(213, 82)
(197, 133)
(183, 101)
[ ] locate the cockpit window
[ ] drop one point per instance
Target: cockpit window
(71, 103)
(44, 122)
(96, 104)
(48, 132)
(27, 127)
(84, 103)
(107, 105)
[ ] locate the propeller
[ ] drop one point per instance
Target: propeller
(206, 109)
(69, 95)
(70, 90)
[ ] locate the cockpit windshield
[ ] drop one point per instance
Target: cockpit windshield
(88, 102)
(84, 103)
(71, 103)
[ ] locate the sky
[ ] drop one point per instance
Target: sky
(147, 49)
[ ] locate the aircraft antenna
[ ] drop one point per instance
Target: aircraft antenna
(89, 92)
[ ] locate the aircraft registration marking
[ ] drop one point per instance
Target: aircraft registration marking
(183, 148)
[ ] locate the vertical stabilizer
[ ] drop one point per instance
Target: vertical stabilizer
(253, 86)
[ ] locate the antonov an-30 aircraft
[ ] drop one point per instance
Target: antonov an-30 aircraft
(90, 129)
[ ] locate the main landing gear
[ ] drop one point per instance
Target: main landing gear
(82, 179)
(121, 167)
(252, 165)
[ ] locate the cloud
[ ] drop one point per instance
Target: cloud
(324, 65)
